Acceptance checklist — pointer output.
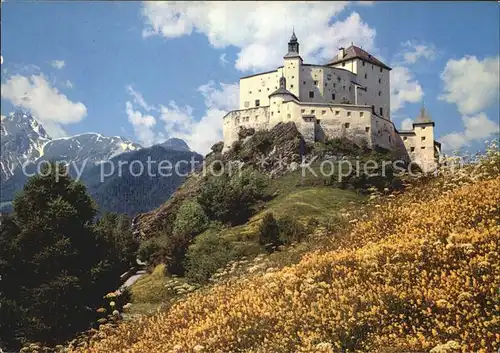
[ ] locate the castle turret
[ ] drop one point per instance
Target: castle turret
(292, 64)
(426, 152)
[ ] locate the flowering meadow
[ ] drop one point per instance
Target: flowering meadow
(420, 273)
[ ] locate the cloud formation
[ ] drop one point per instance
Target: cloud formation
(51, 107)
(414, 51)
(477, 128)
(179, 121)
(404, 88)
(58, 64)
(261, 30)
(471, 84)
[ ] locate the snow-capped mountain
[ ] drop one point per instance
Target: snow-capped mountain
(22, 139)
(25, 140)
(90, 147)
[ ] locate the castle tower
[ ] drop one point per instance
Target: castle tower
(425, 146)
(277, 104)
(292, 65)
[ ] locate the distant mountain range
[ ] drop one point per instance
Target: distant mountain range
(24, 141)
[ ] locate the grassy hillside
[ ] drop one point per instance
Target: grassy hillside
(419, 272)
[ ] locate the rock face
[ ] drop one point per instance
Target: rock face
(273, 152)
(22, 140)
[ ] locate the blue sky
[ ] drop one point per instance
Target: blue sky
(149, 71)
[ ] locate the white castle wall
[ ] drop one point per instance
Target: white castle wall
(377, 81)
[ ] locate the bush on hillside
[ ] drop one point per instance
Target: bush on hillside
(207, 254)
(191, 220)
(229, 199)
(290, 231)
(269, 232)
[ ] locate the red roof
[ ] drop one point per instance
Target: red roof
(354, 52)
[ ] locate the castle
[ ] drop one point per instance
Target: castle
(348, 97)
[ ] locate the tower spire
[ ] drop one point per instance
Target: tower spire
(293, 45)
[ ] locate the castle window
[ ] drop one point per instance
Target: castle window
(334, 85)
(257, 102)
(381, 111)
(343, 64)
(293, 76)
(315, 83)
(333, 96)
(390, 139)
(379, 80)
(361, 114)
(249, 92)
(423, 138)
(372, 67)
(346, 125)
(289, 116)
(339, 79)
(343, 88)
(423, 127)
(423, 147)
(348, 113)
(278, 111)
(268, 88)
(350, 88)
(304, 82)
(256, 118)
(379, 93)
(367, 129)
(272, 113)
(373, 109)
(366, 76)
(291, 86)
(311, 94)
(337, 112)
(363, 63)
(412, 149)
(405, 138)
(302, 111)
(381, 69)
(260, 90)
(323, 112)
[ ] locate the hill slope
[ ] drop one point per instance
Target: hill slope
(408, 278)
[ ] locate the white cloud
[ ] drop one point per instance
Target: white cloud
(261, 29)
(51, 107)
(202, 134)
(143, 125)
(180, 122)
(477, 128)
(414, 51)
(407, 124)
(404, 88)
(471, 84)
(68, 84)
(139, 99)
(58, 64)
(223, 59)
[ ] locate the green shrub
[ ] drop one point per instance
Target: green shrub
(290, 230)
(269, 232)
(229, 199)
(207, 254)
